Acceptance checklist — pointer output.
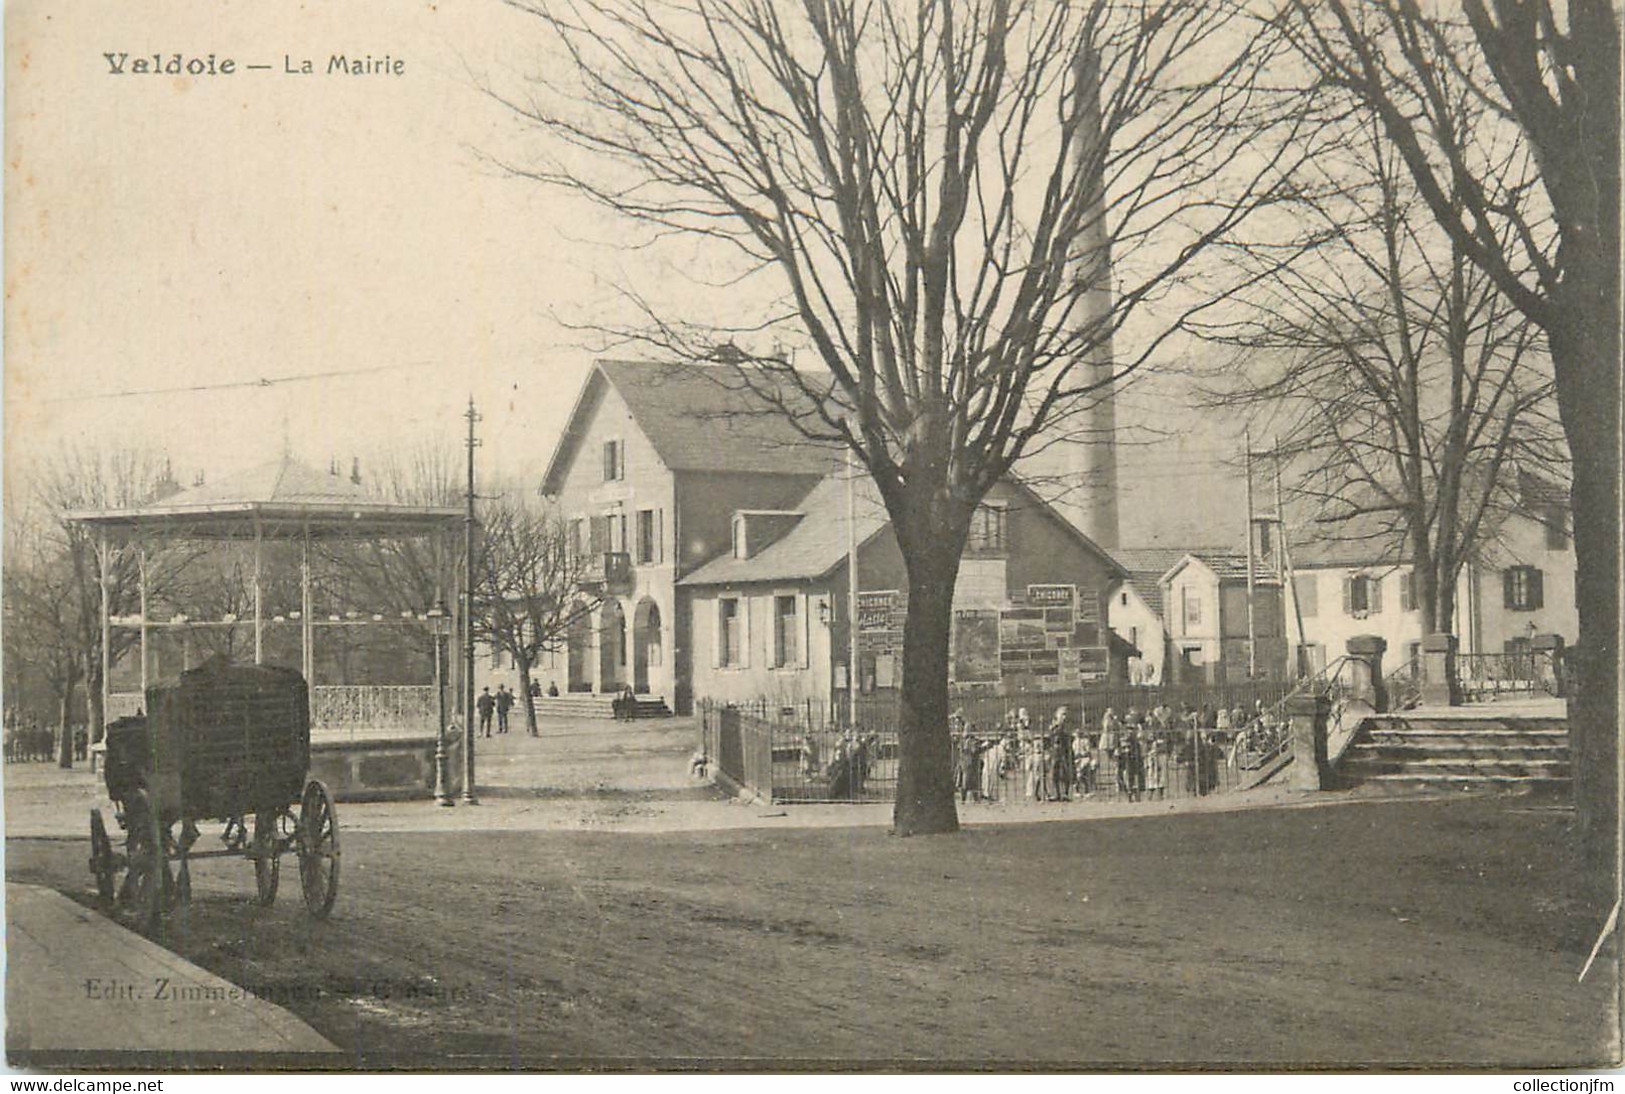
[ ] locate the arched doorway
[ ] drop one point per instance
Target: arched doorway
(647, 652)
(578, 638)
(611, 646)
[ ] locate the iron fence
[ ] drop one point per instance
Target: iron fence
(813, 755)
(1489, 675)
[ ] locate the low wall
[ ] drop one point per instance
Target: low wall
(386, 769)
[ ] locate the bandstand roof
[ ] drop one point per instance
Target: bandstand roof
(283, 499)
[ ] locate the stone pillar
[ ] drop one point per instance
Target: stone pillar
(1365, 653)
(1308, 714)
(1439, 684)
(1548, 653)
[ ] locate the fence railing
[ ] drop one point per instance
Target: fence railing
(1489, 675)
(373, 710)
(804, 752)
(1403, 686)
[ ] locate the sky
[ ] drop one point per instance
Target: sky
(173, 232)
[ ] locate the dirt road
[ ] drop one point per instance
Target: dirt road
(1378, 933)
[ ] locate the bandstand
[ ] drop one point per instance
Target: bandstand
(370, 739)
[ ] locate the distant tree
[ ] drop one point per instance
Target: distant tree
(532, 583)
(1404, 388)
(87, 479)
(1542, 220)
(958, 208)
(41, 607)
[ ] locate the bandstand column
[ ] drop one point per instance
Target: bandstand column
(259, 615)
(105, 580)
(142, 579)
(307, 651)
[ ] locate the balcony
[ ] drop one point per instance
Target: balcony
(607, 572)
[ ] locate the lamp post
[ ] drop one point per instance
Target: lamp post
(440, 626)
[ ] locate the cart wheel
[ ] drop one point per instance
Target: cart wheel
(267, 856)
(144, 885)
(101, 860)
(318, 849)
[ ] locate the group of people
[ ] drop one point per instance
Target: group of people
(500, 704)
(27, 741)
(1140, 754)
(1048, 766)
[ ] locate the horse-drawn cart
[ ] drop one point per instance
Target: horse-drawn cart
(230, 743)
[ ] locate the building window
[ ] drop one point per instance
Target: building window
(729, 652)
(989, 529)
(1555, 519)
(1191, 601)
(1307, 592)
(1362, 595)
(1522, 590)
(1125, 600)
(785, 630)
(648, 535)
(614, 464)
(1407, 591)
(578, 537)
(1263, 540)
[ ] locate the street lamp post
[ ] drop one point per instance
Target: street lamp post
(440, 627)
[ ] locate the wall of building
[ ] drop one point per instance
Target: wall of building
(756, 677)
(1522, 541)
(1132, 619)
(645, 484)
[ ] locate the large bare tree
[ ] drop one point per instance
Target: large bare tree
(957, 206)
(530, 578)
(1542, 220)
(1404, 388)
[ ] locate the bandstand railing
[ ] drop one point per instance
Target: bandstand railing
(373, 710)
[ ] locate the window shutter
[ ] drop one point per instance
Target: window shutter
(1509, 589)
(744, 632)
(1374, 595)
(803, 630)
(716, 634)
(1537, 591)
(660, 535)
(1348, 595)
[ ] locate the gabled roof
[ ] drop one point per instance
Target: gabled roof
(1146, 565)
(1226, 565)
(814, 547)
(702, 418)
(817, 544)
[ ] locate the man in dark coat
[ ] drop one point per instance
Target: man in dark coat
(485, 704)
(504, 705)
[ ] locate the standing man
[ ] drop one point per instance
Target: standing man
(485, 704)
(504, 704)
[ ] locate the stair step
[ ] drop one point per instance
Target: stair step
(1371, 768)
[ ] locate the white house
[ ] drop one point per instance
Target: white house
(1521, 584)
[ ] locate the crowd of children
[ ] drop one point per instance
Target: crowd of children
(1139, 756)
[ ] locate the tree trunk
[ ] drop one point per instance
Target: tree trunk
(64, 744)
(95, 714)
(1588, 394)
(925, 778)
(528, 696)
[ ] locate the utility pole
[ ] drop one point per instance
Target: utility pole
(1288, 583)
(469, 797)
(851, 590)
(1252, 642)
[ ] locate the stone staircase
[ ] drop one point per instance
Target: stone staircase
(1414, 751)
(586, 704)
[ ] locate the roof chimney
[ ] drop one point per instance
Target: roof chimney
(355, 470)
